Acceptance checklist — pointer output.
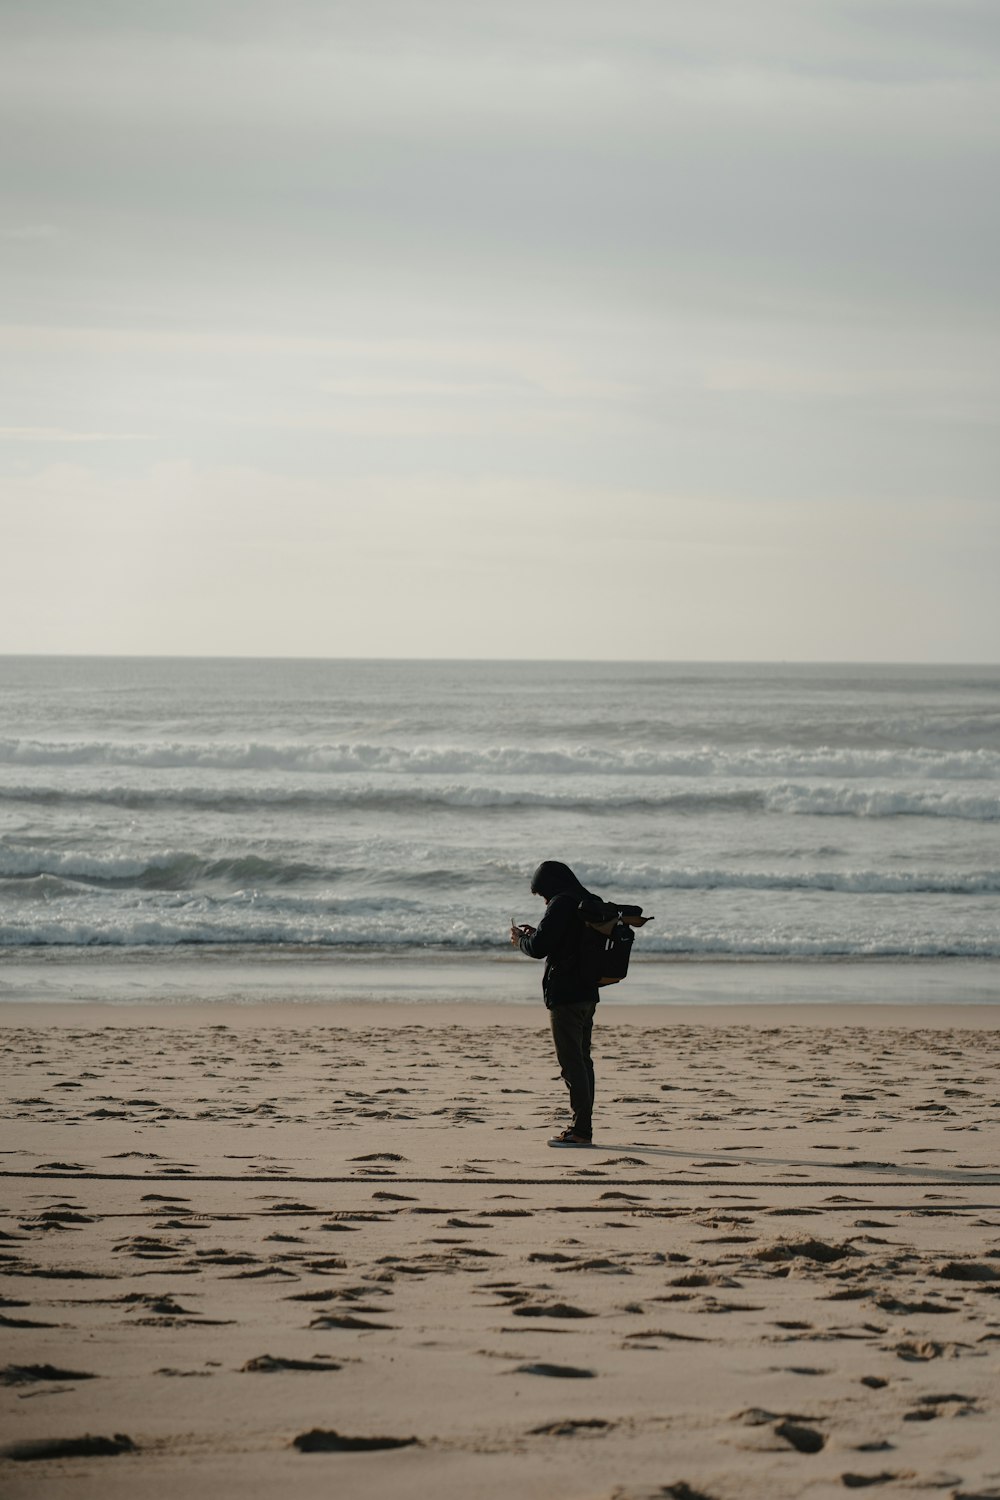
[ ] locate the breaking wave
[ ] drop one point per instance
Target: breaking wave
(506, 760)
(851, 882)
(366, 932)
(165, 870)
(789, 797)
(180, 870)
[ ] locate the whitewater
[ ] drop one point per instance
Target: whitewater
(774, 812)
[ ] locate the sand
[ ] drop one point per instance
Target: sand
(325, 1250)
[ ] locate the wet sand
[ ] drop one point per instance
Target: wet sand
(253, 1248)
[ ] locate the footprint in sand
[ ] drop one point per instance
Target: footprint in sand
(270, 1364)
(7, 1322)
(863, 1481)
(571, 1427)
(802, 1439)
(80, 1447)
(320, 1441)
(348, 1320)
(553, 1310)
(32, 1374)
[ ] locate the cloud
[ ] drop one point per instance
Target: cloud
(324, 289)
(239, 561)
(59, 435)
(937, 34)
(28, 234)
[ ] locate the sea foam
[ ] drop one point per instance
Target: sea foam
(793, 798)
(506, 760)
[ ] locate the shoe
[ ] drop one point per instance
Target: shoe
(569, 1137)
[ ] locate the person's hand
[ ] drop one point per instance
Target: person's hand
(517, 933)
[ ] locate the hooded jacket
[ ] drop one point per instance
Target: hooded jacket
(559, 937)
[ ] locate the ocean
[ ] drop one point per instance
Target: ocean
(381, 808)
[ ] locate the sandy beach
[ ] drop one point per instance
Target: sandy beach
(257, 1248)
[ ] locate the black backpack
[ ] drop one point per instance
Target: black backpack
(608, 937)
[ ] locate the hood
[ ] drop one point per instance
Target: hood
(552, 878)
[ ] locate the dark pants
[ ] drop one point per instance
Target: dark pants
(572, 1026)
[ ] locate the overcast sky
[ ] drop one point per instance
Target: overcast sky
(545, 328)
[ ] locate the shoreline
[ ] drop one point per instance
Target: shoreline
(502, 981)
(486, 1016)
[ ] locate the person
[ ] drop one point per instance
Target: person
(570, 993)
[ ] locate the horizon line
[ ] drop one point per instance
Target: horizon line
(678, 661)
